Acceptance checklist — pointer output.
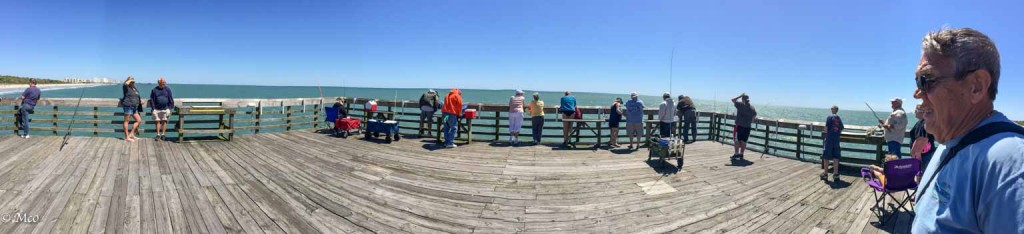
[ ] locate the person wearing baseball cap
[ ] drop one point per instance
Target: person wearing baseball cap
(895, 127)
(634, 119)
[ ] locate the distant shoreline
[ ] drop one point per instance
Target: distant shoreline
(18, 88)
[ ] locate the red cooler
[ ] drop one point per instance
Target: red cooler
(470, 113)
(371, 106)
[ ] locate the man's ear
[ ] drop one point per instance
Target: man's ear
(978, 81)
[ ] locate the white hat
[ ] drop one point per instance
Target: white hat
(632, 94)
(519, 91)
(897, 99)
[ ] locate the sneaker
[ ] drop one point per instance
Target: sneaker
(163, 137)
(835, 177)
(156, 138)
(823, 176)
(27, 136)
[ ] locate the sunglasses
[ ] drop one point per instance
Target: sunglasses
(926, 84)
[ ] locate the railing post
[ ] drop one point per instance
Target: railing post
(766, 138)
(497, 121)
(259, 112)
(55, 120)
(316, 113)
(799, 143)
(17, 118)
(288, 119)
(95, 120)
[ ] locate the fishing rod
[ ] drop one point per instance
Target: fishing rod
(873, 112)
(68, 134)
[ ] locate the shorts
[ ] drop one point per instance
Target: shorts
(161, 115)
(832, 151)
(741, 133)
(614, 123)
(569, 114)
(895, 148)
(425, 116)
(634, 129)
(130, 110)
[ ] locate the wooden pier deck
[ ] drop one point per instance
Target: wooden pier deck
(304, 182)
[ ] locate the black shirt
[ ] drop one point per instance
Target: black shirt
(342, 112)
(919, 131)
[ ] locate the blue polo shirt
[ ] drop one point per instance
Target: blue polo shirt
(980, 191)
(634, 111)
(568, 103)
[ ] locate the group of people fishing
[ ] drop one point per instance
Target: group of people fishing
(975, 185)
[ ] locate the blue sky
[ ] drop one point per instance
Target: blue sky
(801, 53)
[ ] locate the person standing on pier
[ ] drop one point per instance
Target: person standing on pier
(614, 119)
(131, 103)
(635, 119)
(537, 118)
(895, 128)
(975, 182)
(515, 116)
(666, 115)
(922, 143)
(450, 113)
(161, 101)
(688, 116)
(745, 114)
(833, 128)
(429, 103)
(567, 105)
(28, 105)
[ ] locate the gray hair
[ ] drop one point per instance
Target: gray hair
(969, 50)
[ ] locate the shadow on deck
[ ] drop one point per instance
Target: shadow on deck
(303, 182)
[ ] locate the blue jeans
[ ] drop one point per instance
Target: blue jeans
(895, 148)
(23, 113)
(451, 126)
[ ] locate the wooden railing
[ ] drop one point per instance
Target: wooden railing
(101, 117)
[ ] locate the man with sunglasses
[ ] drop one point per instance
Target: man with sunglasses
(975, 181)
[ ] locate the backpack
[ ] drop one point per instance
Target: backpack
(974, 136)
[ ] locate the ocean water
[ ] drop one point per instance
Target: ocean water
(850, 117)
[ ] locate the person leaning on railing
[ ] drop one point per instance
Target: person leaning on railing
(635, 120)
(28, 104)
(515, 116)
(567, 105)
(429, 103)
(536, 109)
(450, 113)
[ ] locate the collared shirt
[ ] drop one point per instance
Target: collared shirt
(635, 111)
(979, 191)
(898, 121)
(536, 108)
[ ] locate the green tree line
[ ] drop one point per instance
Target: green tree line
(5, 79)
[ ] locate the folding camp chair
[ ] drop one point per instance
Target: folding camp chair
(899, 177)
(331, 114)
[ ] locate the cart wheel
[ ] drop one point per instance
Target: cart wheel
(397, 137)
(387, 139)
(367, 135)
(376, 134)
(344, 134)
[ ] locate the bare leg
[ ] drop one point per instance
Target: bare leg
(135, 126)
(127, 131)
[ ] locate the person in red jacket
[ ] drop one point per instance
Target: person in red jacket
(451, 111)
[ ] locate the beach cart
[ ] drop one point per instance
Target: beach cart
(376, 127)
(667, 148)
(346, 127)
